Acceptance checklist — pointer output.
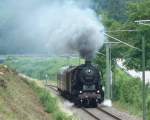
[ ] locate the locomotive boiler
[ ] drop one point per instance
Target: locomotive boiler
(81, 84)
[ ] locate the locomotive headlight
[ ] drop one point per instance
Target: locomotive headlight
(98, 91)
(80, 92)
(89, 70)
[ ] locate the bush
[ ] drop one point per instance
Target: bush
(58, 115)
(128, 91)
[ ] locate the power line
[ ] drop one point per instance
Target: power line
(111, 42)
(101, 53)
(144, 24)
(122, 42)
(137, 21)
(121, 31)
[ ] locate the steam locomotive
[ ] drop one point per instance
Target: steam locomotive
(81, 84)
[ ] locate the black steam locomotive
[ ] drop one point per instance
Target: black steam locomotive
(81, 84)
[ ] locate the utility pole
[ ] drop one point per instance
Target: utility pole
(79, 60)
(108, 74)
(68, 60)
(46, 79)
(143, 77)
(111, 79)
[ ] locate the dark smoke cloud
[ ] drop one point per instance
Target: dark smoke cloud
(50, 26)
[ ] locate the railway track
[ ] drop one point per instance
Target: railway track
(49, 85)
(96, 113)
(91, 114)
(100, 114)
(108, 113)
(53, 87)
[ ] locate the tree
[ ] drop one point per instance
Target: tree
(115, 9)
(138, 11)
(135, 11)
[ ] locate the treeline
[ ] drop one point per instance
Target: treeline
(119, 18)
(41, 68)
(120, 15)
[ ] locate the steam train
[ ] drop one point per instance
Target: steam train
(81, 84)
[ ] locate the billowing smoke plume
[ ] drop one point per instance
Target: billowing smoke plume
(54, 26)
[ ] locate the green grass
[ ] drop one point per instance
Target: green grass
(50, 103)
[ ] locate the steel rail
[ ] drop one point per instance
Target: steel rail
(53, 87)
(94, 116)
(90, 113)
(108, 113)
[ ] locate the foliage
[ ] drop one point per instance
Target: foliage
(135, 11)
(138, 11)
(115, 9)
(50, 103)
(128, 91)
(118, 50)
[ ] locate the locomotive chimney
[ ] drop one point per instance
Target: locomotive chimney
(88, 62)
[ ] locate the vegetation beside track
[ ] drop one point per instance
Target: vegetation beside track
(127, 93)
(23, 99)
(17, 100)
(49, 102)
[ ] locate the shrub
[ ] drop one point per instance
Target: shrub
(48, 101)
(128, 91)
(58, 115)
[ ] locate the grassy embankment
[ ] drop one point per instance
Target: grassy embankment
(21, 99)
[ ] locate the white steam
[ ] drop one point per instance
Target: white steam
(56, 27)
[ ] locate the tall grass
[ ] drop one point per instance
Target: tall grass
(49, 103)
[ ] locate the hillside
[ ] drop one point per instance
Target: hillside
(17, 100)
(38, 67)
